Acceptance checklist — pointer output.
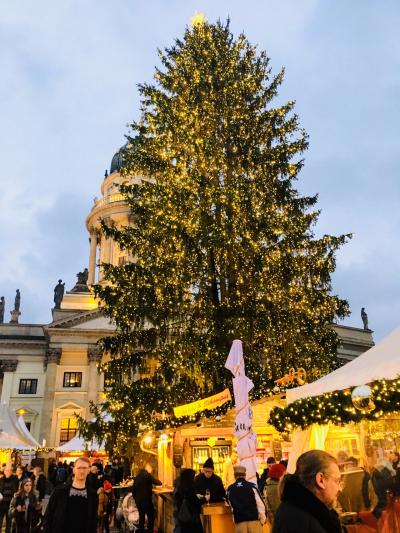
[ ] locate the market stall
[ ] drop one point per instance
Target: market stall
(353, 411)
(350, 409)
(77, 446)
(14, 435)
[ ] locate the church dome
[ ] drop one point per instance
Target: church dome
(117, 161)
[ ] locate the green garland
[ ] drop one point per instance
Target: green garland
(337, 407)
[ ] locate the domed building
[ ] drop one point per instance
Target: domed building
(110, 208)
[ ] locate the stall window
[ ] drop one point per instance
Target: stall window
(69, 428)
(72, 379)
(27, 386)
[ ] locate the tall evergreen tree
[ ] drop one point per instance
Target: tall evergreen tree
(222, 244)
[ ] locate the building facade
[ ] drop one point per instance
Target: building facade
(49, 372)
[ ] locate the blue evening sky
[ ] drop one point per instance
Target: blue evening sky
(69, 71)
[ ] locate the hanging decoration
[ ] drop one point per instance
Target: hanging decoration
(382, 397)
(294, 376)
(362, 398)
(205, 403)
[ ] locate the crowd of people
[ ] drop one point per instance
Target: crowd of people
(308, 501)
(74, 497)
(21, 496)
(79, 498)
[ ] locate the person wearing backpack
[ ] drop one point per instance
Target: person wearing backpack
(187, 504)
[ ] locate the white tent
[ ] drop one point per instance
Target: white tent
(26, 432)
(382, 361)
(11, 433)
(78, 444)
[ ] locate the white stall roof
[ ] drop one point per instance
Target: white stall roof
(78, 444)
(382, 361)
(26, 432)
(11, 433)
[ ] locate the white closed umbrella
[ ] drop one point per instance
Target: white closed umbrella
(242, 385)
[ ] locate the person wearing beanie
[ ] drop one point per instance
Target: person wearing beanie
(104, 509)
(246, 502)
(207, 480)
(271, 492)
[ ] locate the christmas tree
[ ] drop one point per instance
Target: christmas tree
(222, 245)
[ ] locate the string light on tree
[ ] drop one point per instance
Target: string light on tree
(223, 243)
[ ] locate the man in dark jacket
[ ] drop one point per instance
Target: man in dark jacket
(8, 487)
(72, 508)
(94, 480)
(142, 491)
(207, 480)
(248, 507)
(39, 482)
(309, 495)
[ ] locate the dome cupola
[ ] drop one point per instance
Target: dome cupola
(117, 161)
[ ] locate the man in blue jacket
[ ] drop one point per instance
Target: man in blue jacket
(247, 505)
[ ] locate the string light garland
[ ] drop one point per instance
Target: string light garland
(337, 407)
(222, 245)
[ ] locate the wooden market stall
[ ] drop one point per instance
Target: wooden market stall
(353, 411)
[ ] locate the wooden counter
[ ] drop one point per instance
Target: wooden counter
(165, 509)
(217, 518)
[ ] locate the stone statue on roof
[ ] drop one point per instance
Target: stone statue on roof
(58, 294)
(81, 283)
(15, 313)
(364, 318)
(2, 307)
(17, 301)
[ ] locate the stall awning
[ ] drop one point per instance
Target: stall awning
(382, 361)
(12, 435)
(78, 444)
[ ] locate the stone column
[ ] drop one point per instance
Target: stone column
(94, 357)
(52, 360)
(92, 257)
(102, 248)
(8, 367)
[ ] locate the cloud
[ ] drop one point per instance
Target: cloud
(69, 75)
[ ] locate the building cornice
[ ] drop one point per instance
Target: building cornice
(15, 343)
(74, 320)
